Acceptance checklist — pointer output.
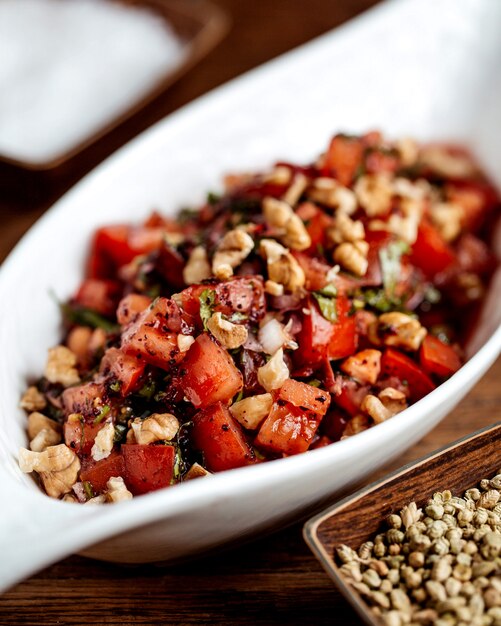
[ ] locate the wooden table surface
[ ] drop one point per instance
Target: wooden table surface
(273, 579)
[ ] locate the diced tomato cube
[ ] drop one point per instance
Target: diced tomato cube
(221, 439)
(98, 473)
(152, 346)
(430, 252)
(364, 366)
(343, 158)
(80, 435)
(317, 223)
(315, 271)
(438, 358)
(147, 467)
(320, 338)
(304, 396)
(287, 429)
(124, 368)
(208, 374)
(80, 399)
(130, 307)
(377, 161)
(99, 295)
(350, 396)
(473, 255)
(170, 265)
(395, 363)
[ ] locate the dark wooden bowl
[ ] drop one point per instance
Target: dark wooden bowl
(359, 517)
(199, 23)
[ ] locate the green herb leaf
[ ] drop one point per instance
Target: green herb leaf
(120, 430)
(327, 306)
(87, 317)
(329, 290)
(102, 414)
(115, 386)
(89, 492)
(148, 390)
(207, 300)
(314, 383)
(390, 258)
(213, 198)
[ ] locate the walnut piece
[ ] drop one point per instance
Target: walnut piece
(399, 330)
(332, 194)
(33, 400)
(374, 193)
(408, 151)
(184, 342)
(353, 257)
(445, 164)
(156, 427)
(250, 412)
(447, 218)
(274, 373)
(388, 403)
(356, 425)
(282, 266)
(60, 367)
(279, 175)
(196, 471)
(273, 288)
(229, 335)
(346, 229)
(116, 490)
(57, 466)
(290, 228)
(43, 432)
(197, 267)
(233, 248)
(103, 443)
(296, 190)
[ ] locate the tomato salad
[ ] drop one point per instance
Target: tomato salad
(301, 306)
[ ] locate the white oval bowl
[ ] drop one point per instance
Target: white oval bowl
(286, 110)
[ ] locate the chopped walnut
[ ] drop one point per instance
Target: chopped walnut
(33, 400)
(60, 367)
(274, 373)
(296, 190)
(282, 266)
(116, 490)
(279, 175)
(471, 285)
(408, 151)
(331, 193)
(388, 403)
(273, 288)
(156, 427)
(374, 193)
(197, 267)
(78, 342)
(103, 443)
(447, 218)
(97, 340)
(415, 190)
(43, 432)
(250, 412)
(346, 229)
(184, 342)
(196, 471)
(356, 425)
(364, 366)
(440, 160)
(101, 499)
(233, 248)
(290, 228)
(353, 256)
(57, 466)
(229, 335)
(399, 330)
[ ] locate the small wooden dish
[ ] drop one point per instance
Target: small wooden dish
(359, 517)
(199, 23)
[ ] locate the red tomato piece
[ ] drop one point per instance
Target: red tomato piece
(395, 363)
(378, 161)
(98, 473)
(430, 252)
(303, 396)
(287, 429)
(170, 265)
(80, 399)
(438, 358)
(146, 467)
(473, 255)
(315, 270)
(130, 307)
(343, 158)
(152, 346)
(80, 435)
(125, 368)
(364, 366)
(320, 338)
(317, 223)
(99, 295)
(221, 439)
(208, 374)
(350, 396)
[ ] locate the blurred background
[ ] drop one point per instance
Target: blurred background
(80, 78)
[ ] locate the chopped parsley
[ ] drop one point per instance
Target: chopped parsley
(327, 306)
(83, 316)
(207, 301)
(390, 259)
(102, 414)
(89, 491)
